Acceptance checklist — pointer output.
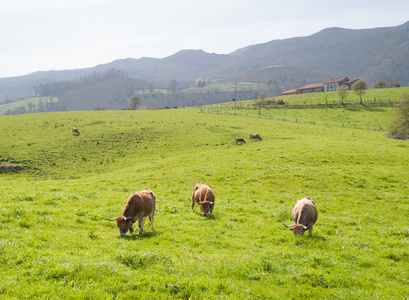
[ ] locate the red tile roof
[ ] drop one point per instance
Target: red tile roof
(312, 86)
(352, 80)
(335, 80)
(292, 91)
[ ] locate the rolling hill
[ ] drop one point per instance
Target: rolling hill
(333, 52)
(55, 241)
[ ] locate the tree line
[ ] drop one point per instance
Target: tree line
(59, 88)
(42, 106)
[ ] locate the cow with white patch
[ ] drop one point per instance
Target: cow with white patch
(304, 216)
(204, 196)
(75, 131)
(139, 205)
(255, 136)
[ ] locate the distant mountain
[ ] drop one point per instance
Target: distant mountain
(367, 53)
(333, 52)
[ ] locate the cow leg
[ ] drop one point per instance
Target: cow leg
(193, 202)
(140, 223)
(211, 210)
(310, 231)
(151, 219)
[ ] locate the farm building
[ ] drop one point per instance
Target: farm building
(331, 85)
(334, 83)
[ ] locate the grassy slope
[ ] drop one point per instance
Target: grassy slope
(55, 243)
(13, 105)
(330, 97)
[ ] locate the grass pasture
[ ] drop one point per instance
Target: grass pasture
(56, 244)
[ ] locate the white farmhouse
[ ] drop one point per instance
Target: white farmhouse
(334, 83)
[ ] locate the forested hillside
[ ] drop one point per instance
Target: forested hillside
(277, 66)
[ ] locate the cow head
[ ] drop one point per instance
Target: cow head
(205, 207)
(297, 229)
(123, 224)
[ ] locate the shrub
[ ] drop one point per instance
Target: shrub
(398, 128)
(380, 84)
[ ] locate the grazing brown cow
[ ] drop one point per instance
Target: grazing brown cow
(304, 216)
(139, 205)
(240, 140)
(75, 130)
(204, 196)
(255, 136)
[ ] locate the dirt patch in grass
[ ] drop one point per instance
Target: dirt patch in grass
(9, 167)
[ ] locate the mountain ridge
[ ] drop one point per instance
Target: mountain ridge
(371, 53)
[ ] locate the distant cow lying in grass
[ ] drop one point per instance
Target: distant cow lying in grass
(138, 206)
(240, 140)
(204, 196)
(304, 216)
(75, 130)
(255, 136)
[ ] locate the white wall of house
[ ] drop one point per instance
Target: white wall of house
(328, 87)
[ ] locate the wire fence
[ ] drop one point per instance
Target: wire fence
(265, 112)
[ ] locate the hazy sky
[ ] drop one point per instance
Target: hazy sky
(68, 34)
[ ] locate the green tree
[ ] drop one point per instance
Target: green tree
(200, 82)
(360, 87)
(342, 92)
(399, 126)
(394, 84)
(201, 104)
(260, 101)
(134, 102)
(380, 84)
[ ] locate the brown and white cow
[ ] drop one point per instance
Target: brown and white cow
(240, 140)
(75, 130)
(255, 136)
(139, 205)
(204, 196)
(304, 216)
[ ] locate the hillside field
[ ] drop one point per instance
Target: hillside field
(55, 241)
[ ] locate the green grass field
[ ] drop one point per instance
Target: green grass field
(56, 244)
